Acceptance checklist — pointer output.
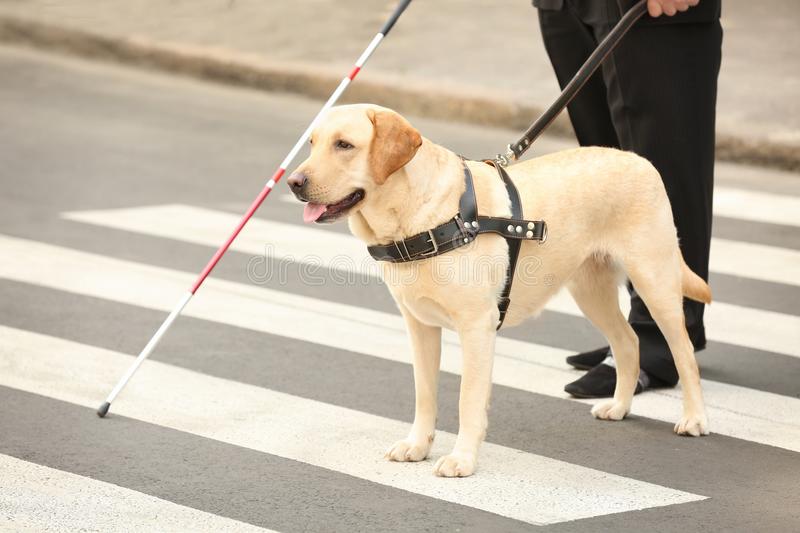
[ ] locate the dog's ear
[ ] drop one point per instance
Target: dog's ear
(394, 143)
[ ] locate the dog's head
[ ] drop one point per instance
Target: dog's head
(354, 150)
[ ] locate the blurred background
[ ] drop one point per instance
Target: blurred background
(478, 61)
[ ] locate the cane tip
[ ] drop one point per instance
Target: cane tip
(103, 410)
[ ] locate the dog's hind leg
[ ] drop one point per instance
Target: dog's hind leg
(658, 282)
(426, 342)
(594, 287)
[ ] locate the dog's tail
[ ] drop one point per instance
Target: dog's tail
(693, 285)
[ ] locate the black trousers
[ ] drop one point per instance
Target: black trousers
(655, 96)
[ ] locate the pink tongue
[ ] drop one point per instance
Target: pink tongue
(312, 212)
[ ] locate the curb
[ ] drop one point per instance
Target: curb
(315, 81)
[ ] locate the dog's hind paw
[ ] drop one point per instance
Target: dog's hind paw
(610, 410)
(692, 425)
(408, 451)
(455, 465)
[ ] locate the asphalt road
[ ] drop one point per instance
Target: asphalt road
(269, 405)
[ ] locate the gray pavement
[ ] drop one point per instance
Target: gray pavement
(478, 61)
(83, 136)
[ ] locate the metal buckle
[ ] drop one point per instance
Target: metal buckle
(431, 240)
(544, 232)
(407, 257)
(505, 159)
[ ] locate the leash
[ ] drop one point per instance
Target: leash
(600, 54)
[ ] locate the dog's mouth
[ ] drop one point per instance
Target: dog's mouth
(328, 213)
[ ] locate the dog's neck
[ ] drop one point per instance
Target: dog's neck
(418, 197)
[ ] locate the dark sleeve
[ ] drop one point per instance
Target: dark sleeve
(705, 11)
(548, 4)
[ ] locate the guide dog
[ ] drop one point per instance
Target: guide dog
(608, 218)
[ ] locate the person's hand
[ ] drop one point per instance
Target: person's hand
(669, 7)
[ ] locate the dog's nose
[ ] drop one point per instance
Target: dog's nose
(296, 181)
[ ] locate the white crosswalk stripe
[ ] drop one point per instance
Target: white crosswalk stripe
(735, 411)
(37, 498)
(757, 206)
(513, 484)
(777, 332)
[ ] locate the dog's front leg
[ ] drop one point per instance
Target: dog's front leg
(426, 342)
(477, 341)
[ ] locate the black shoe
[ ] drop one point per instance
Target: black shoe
(589, 360)
(599, 382)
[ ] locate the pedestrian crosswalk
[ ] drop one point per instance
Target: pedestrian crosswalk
(739, 412)
(778, 332)
(271, 402)
(320, 434)
(512, 484)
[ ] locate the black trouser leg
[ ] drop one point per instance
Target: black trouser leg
(660, 85)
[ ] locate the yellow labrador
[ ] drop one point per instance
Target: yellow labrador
(608, 217)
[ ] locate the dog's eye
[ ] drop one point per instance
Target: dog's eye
(343, 145)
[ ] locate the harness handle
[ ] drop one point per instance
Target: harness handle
(600, 54)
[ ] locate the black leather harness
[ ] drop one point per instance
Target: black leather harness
(464, 228)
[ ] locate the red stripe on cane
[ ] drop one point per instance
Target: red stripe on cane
(103, 410)
(224, 248)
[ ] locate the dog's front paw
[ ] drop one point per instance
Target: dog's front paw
(409, 450)
(456, 464)
(610, 410)
(693, 425)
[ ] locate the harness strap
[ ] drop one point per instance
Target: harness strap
(464, 228)
(513, 244)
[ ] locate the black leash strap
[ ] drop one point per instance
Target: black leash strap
(600, 54)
